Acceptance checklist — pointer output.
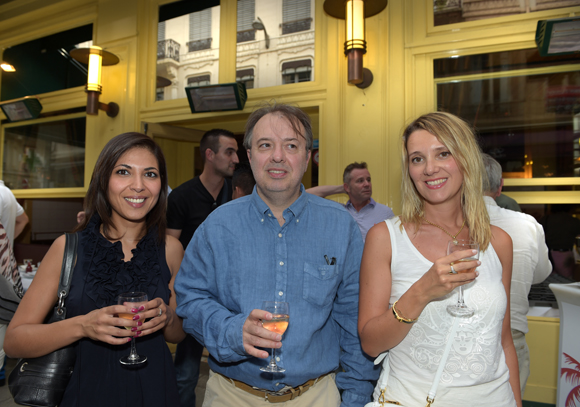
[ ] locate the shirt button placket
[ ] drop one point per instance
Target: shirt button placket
(281, 270)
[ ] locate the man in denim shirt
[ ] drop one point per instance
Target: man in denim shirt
(277, 244)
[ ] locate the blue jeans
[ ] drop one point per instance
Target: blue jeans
(187, 362)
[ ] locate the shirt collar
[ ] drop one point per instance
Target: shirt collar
(296, 208)
(489, 200)
(372, 203)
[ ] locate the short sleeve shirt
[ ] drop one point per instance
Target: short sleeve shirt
(190, 203)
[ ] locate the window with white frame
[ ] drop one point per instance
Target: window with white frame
(246, 76)
(200, 80)
(297, 71)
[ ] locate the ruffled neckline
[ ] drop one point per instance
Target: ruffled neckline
(108, 275)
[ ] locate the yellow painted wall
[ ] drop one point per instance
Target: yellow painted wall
(180, 159)
(543, 341)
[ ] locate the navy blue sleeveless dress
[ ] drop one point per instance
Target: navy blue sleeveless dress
(99, 277)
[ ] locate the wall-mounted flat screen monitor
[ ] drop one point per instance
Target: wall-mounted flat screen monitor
(22, 109)
(216, 98)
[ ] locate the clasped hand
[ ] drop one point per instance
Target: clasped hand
(255, 335)
(107, 325)
(441, 281)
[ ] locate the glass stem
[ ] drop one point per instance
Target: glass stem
(460, 302)
(133, 354)
(273, 359)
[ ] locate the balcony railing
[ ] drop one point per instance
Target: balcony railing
(168, 49)
(296, 26)
(247, 35)
(198, 45)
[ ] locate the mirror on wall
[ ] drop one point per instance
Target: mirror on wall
(45, 155)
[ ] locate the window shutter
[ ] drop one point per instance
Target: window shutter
(246, 10)
(200, 25)
(161, 31)
(293, 10)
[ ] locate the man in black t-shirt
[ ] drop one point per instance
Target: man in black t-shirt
(187, 207)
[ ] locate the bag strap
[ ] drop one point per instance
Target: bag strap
(437, 379)
(384, 359)
(68, 262)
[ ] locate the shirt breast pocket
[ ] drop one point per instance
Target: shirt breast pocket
(320, 283)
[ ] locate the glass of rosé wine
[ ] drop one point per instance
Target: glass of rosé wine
(136, 299)
(278, 324)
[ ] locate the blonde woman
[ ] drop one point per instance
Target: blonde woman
(407, 278)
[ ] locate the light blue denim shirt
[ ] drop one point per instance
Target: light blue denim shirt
(240, 256)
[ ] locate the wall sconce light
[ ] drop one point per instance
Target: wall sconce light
(257, 24)
(26, 108)
(354, 13)
(96, 57)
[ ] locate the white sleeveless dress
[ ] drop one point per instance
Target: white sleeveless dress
(475, 373)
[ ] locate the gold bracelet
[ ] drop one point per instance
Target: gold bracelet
(401, 318)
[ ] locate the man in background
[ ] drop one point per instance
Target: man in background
(187, 207)
(243, 181)
(285, 245)
(504, 201)
(359, 188)
(14, 219)
(12, 215)
(530, 262)
(561, 229)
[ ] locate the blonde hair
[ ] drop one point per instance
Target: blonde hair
(459, 138)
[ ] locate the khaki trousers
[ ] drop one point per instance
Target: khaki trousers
(220, 392)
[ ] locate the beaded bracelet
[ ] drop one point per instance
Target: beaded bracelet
(401, 318)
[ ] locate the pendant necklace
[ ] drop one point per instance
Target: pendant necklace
(452, 236)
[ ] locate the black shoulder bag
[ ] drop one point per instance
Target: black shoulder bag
(41, 382)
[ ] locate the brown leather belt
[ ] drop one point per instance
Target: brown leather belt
(291, 394)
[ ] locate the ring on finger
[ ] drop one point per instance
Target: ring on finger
(452, 270)
(160, 312)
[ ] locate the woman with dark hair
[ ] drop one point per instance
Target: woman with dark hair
(122, 248)
(407, 279)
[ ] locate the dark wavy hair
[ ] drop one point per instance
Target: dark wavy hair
(96, 200)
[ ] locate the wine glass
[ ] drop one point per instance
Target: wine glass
(460, 309)
(278, 324)
(136, 299)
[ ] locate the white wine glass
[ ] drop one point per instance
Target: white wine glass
(460, 309)
(136, 299)
(279, 324)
